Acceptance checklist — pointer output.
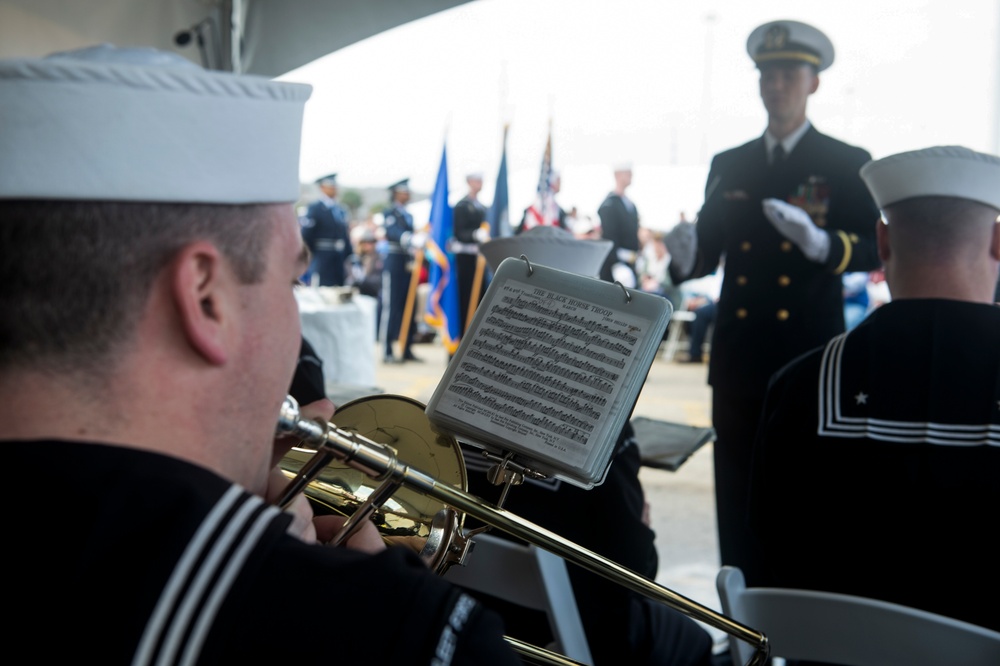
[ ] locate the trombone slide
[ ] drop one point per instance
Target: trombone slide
(380, 462)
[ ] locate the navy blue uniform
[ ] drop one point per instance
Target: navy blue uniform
(620, 225)
(325, 233)
(775, 304)
(887, 442)
(396, 277)
(166, 562)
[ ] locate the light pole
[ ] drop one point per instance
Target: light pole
(706, 85)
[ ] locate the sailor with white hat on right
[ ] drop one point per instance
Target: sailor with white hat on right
(888, 438)
(620, 224)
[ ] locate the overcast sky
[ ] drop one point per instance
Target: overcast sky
(660, 83)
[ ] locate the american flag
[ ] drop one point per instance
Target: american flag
(544, 211)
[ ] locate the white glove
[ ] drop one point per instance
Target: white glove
(623, 273)
(482, 234)
(417, 240)
(682, 244)
(795, 224)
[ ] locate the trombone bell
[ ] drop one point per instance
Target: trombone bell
(408, 517)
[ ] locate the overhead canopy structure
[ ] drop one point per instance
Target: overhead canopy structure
(265, 37)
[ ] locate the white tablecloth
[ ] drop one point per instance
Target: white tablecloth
(342, 333)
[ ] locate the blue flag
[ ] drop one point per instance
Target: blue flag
(442, 303)
(498, 215)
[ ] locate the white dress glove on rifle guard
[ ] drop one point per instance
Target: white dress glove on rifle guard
(795, 224)
(418, 240)
(482, 234)
(623, 273)
(682, 244)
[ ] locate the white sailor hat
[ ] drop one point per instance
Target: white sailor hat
(110, 124)
(550, 246)
(621, 166)
(790, 41)
(474, 175)
(941, 171)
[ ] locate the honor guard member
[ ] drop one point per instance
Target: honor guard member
(145, 371)
(620, 224)
(539, 215)
(791, 214)
(326, 234)
(887, 438)
(469, 215)
(402, 242)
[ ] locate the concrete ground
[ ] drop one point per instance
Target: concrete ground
(682, 502)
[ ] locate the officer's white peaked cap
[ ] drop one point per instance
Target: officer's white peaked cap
(941, 171)
(116, 124)
(790, 41)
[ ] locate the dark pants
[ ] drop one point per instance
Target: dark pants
(395, 289)
(703, 318)
(329, 264)
(735, 414)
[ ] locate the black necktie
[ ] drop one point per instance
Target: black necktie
(778, 154)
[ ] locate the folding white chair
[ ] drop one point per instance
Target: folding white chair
(850, 630)
(530, 577)
(674, 330)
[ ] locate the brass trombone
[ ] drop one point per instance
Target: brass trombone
(380, 462)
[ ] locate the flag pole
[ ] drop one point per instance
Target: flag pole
(411, 297)
(477, 283)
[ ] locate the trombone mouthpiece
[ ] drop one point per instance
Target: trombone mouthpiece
(291, 423)
(288, 417)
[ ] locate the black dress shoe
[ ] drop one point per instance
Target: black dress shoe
(412, 358)
(389, 359)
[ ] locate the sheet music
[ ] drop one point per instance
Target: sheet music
(543, 369)
(550, 369)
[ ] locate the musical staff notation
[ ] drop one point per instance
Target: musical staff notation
(550, 368)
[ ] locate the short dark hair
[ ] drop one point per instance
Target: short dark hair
(75, 276)
(939, 228)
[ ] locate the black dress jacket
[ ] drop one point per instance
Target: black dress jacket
(775, 303)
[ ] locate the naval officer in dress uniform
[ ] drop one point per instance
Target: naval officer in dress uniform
(396, 273)
(326, 234)
(790, 213)
(888, 437)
